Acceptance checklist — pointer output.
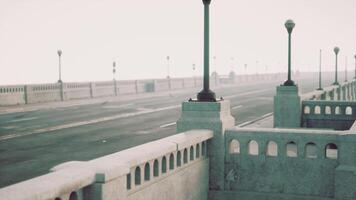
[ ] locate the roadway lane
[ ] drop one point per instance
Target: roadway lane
(107, 127)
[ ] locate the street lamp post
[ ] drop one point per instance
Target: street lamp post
(168, 73)
(195, 83)
(214, 63)
(355, 66)
(113, 70)
(320, 88)
(59, 52)
(113, 74)
(345, 68)
(289, 26)
(336, 51)
(206, 95)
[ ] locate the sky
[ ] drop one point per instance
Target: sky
(138, 35)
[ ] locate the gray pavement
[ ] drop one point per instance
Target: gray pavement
(37, 137)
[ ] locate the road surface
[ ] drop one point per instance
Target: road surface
(33, 142)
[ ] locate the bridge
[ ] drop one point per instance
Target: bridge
(304, 151)
(212, 158)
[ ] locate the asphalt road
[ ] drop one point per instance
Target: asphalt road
(33, 142)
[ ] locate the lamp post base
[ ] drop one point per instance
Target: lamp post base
(289, 83)
(206, 96)
(60, 81)
(336, 83)
(319, 89)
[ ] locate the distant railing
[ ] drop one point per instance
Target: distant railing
(281, 142)
(36, 93)
(328, 114)
(344, 91)
(129, 170)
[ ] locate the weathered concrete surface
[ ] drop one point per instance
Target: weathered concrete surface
(106, 178)
(287, 107)
(337, 115)
(187, 183)
(242, 195)
(215, 116)
(283, 174)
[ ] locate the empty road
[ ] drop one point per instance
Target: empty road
(33, 142)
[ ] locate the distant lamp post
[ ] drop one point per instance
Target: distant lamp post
(113, 70)
(59, 52)
(289, 26)
(214, 62)
(232, 63)
(168, 70)
(320, 88)
(206, 95)
(168, 73)
(336, 51)
(345, 68)
(355, 66)
(113, 74)
(195, 83)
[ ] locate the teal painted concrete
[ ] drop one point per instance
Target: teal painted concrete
(287, 104)
(215, 116)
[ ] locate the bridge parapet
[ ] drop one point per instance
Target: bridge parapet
(288, 164)
(12, 94)
(339, 115)
(163, 169)
(344, 91)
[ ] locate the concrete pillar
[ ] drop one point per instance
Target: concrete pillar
(338, 93)
(343, 91)
(106, 190)
(61, 90)
(287, 107)
(345, 173)
(136, 86)
(215, 116)
(115, 87)
(26, 92)
(92, 89)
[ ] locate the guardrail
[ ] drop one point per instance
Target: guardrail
(281, 162)
(344, 91)
(338, 115)
(126, 174)
(26, 94)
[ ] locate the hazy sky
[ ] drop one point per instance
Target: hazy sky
(139, 34)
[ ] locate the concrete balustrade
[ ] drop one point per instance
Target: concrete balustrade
(266, 163)
(38, 93)
(77, 91)
(339, 115)
(158, 170)
(12, 94)
(43, 93)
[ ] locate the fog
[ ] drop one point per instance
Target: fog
(138, 35)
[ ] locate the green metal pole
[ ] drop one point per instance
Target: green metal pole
(289, 26)
(320, 71)
(206, 94)
(206, 47)
(336, 51)
(355, 66)
(345, 69)
(336, 82)
(289, 57)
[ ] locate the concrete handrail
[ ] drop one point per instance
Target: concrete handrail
(73, 176)
(282, 137)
